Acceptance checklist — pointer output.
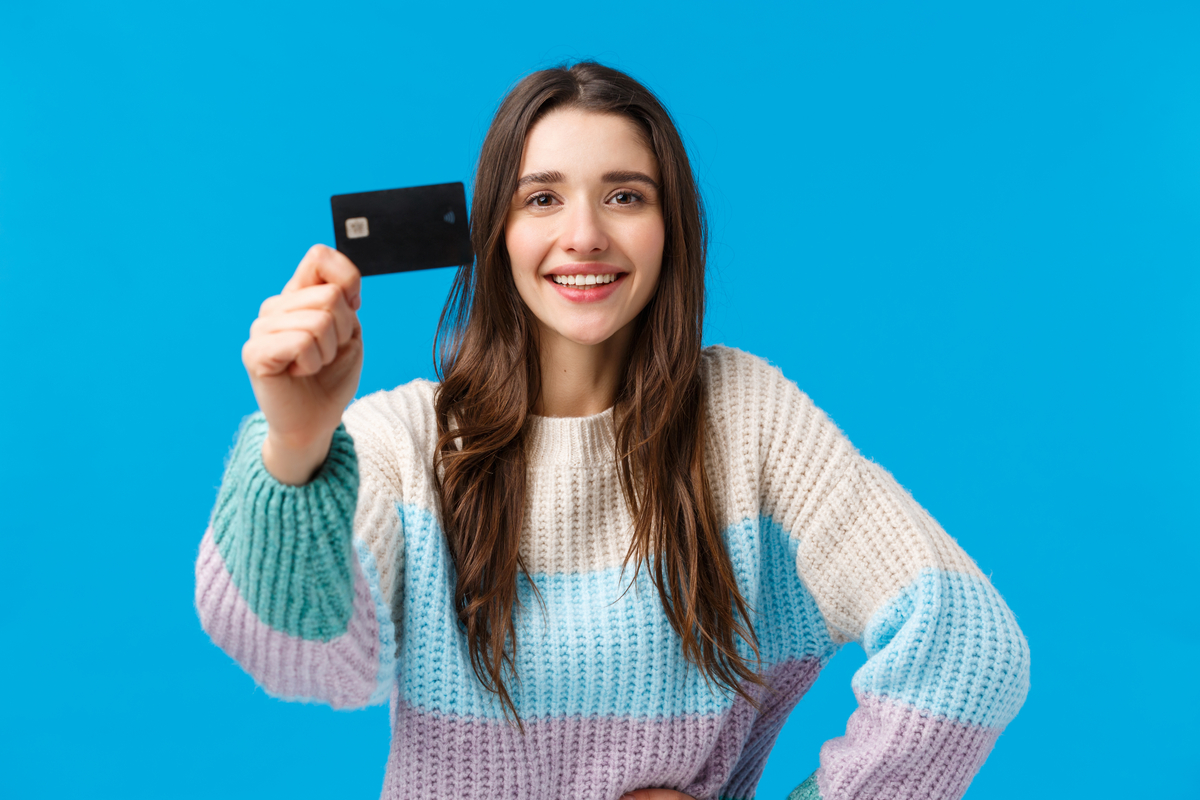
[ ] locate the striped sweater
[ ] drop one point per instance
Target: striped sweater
(341, 591)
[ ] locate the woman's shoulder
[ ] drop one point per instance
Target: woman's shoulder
(748, 394)
(402, 417)
(732, 374)
(406, 400)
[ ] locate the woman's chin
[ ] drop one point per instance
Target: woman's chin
(587, 335)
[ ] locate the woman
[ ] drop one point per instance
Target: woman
(460, 548)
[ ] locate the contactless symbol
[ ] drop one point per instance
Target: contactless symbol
(449, 216)
(356, 228)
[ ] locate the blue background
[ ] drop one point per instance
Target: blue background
(970, 231)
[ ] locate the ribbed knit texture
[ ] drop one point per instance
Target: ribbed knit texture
(806, 791)
(341, 591)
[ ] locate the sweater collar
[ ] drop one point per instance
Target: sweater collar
(570, 440)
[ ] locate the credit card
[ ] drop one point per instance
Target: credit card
(400, 230)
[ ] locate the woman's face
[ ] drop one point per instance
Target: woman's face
(585, 228)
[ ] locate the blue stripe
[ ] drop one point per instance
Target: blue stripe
(593, 652)
(383, 618)
(947, 644)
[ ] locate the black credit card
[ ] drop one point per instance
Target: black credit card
(399, 230)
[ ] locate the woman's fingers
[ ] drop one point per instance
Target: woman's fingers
(308, 362)
(322, 265)
(317, 322)
(324, 297)
(302, 329)
(292, 351)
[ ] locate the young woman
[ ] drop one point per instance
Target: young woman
(461, 548)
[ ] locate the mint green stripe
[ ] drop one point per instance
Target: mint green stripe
(288, 548)
(807, 790)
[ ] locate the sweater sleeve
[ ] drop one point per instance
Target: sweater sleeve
(947, 666)
(286, 583)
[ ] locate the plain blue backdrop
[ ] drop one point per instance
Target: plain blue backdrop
(970, 231)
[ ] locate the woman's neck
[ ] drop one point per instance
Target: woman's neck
(579, 380)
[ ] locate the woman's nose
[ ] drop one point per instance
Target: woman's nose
(583, 232)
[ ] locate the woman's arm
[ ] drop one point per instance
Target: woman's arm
(286, 582)
(284, 585)
(947, 665)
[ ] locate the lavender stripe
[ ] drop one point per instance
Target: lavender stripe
(896, 751)
(437, 755)
(341, 672)
(792, 683)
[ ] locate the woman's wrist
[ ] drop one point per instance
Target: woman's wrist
(295, 464)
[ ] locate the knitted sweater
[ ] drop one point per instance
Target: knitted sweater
(341, 591)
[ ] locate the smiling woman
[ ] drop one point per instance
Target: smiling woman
(460, 548)
(555, 187)
(585, 237)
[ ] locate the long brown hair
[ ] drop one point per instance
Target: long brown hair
(490, 381)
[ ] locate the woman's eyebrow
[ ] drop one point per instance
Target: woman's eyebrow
(541, 177)
(629, 176)
(617, 176)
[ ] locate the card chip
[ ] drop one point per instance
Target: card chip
(356, 228)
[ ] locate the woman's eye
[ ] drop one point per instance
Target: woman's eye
(542, 200)
(625, 198)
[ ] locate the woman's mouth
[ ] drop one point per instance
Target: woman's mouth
(586, 287)
(583, 281)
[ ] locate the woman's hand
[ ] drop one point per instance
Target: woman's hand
(304, 358)
(656, 794)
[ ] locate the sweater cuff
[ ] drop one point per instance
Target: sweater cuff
(288, 548)
(807, 790)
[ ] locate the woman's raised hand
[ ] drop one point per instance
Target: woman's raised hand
(304, 358)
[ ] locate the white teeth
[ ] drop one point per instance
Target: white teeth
(582, 280)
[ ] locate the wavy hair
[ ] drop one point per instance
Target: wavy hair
(487, 351)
